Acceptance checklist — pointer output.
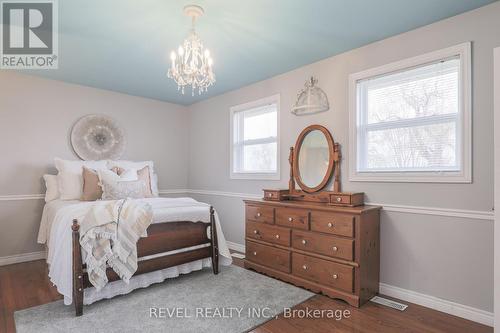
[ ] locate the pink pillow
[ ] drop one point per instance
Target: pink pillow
(92, 191)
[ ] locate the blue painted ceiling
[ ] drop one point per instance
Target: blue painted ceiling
(124, 46)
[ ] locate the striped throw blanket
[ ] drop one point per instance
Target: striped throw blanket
(109, 234)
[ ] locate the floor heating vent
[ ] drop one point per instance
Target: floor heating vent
(238, 255)
(389, 303)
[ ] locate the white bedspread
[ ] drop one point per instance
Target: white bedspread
(55, 232)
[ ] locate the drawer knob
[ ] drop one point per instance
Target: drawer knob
(334, 248)
(254, 253)
(330, 224)
(277, 236)
(256, 232)
(258, 214)
(335, 276)
(304, 241)
(290, 219)
(304, 266)
(339, 199)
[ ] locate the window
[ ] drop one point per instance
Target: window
(410, 120)
(254, 140)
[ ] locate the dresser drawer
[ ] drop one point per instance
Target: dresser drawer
(260, 214)
(332, 223)
(293, 218)
(323, 271)
(268, 233)
(275, 195)
(347, 199)
(327, 245)
(268, 256)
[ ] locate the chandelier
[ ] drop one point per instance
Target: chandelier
(312, 99)
(192, 65)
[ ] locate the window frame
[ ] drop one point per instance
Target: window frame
(464, 129)
(274, 99)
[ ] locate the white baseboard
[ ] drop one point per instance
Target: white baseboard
(236, 246)
(24, 257)
(455, 309)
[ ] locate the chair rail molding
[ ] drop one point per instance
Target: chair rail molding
(17, 197)
(173, 191)
(436, 211)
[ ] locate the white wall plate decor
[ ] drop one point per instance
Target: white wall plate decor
(97, 137)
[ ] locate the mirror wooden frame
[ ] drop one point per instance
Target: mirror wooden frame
(316, 194)
(331, 158)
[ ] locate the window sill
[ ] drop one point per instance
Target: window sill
(255, 176)
(411, 177)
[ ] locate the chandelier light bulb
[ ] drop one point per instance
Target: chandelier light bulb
(192, 65)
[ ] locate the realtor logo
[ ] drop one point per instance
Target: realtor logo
(29, 34)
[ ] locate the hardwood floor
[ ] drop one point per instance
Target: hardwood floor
(26, 285)
(370, 318)
(23, 286)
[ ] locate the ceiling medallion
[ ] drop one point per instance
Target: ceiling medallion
(192, 65)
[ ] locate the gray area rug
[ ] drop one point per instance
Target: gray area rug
(235, 300)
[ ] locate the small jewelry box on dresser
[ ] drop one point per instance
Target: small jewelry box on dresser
(325, 241)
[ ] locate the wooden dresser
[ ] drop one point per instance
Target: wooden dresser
(324, 248)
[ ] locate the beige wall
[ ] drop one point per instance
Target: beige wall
(443, 256)
(440, 255)
(36, 116)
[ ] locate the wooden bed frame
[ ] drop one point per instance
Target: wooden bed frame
(162, 237)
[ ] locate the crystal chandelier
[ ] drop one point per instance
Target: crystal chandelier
(192, 65)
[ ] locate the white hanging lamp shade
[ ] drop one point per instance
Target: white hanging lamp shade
(311, 99)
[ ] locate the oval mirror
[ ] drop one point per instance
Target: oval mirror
(313, 158)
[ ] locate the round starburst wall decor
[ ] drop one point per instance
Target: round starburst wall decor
(97, 137)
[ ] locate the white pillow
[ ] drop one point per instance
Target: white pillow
(52, 192)
(110, 176)
(70, 177)
(154, 185)
(135, 189)
(139, 165)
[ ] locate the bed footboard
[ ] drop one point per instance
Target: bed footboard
(77, 270)
(162, 237)
(214, 244)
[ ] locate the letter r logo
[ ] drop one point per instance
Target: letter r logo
(27, 27)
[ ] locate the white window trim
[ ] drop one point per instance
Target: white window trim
(463, 176)
(274, 99)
